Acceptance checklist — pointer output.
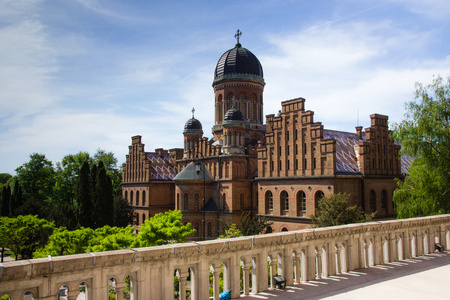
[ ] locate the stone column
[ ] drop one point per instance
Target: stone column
(366, 255)
(310, 263)
(246, 273)
(337, 254)
(273, 265)
(216, 286)
(182, 285)
(235, 273)
(318, 259)
(324, 261)
(343, 259)
(297, 268)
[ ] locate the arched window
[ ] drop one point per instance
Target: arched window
(186, 201)
(144, 201)
(178, 202)
(241, 201)
(126, 195)
(384, 201)
(136, 217)
(372, 200)
(284, 199)
(319, 195)
(209, 229)
(131, 197)
(196, 201)
(301, 201)
(143, 218)
(269, 229)
(284, 229)
(137, 198)
(269, 201)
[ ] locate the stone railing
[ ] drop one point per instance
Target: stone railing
(298, 256)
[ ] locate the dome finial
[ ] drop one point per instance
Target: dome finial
(237, 36)
(193, 110)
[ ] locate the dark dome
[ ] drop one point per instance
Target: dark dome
(233, 114)
(238, 63)
(193, 126)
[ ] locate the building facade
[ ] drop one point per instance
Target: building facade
(278, 170)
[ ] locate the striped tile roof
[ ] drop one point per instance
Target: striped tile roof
(161, 168)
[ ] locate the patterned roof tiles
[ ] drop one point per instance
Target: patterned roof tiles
(346, 150)
(161, 168)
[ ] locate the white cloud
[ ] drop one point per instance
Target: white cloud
(341, 69)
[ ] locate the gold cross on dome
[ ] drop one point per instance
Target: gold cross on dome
(238, 35)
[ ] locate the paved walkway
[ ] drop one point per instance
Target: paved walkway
(425, 277)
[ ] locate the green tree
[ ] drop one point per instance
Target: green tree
(334, 210)
(33, 207)
(37, 178)
(66, 242)
(67, 175)
(425, 135)
(164, 228)
(247, 226)
(6, 201)
(231, 231)
(83, 240)
(104, 206)
(16, 198)
(83, 196)
(112, 238)
(64, 215)
(25, 234)
(110, 162)
(123, 212)
(4, 178)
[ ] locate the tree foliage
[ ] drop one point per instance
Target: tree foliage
(123, 212)
(25, 234)
(83, 240)
(334, 210)
(247, 226)
(164, 228)
(425, 135)
(37, 178)
(231, 231)
(160, 229)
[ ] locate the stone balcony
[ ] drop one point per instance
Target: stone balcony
(299, 256)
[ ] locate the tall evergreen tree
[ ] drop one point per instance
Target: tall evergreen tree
(105, 200)
(83, 197)
(16, 198)
(6, 200)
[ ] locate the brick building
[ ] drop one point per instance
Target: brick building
(279, 169)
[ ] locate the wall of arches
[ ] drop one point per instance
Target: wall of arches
(192, 268)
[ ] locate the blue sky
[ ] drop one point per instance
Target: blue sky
(78, 75)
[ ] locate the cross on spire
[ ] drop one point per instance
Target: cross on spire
(238, 35)
(193, 110)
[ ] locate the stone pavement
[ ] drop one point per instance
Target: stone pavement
(424, 277)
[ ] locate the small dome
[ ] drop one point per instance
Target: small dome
(238, 63)
(192, 124)
(233, 115)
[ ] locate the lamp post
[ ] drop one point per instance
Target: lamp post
(198, 168)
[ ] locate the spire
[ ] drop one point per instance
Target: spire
(193, 110)
(237, 36)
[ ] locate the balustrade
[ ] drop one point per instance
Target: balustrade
(298, 256)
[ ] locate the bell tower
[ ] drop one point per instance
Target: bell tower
(239, 83)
